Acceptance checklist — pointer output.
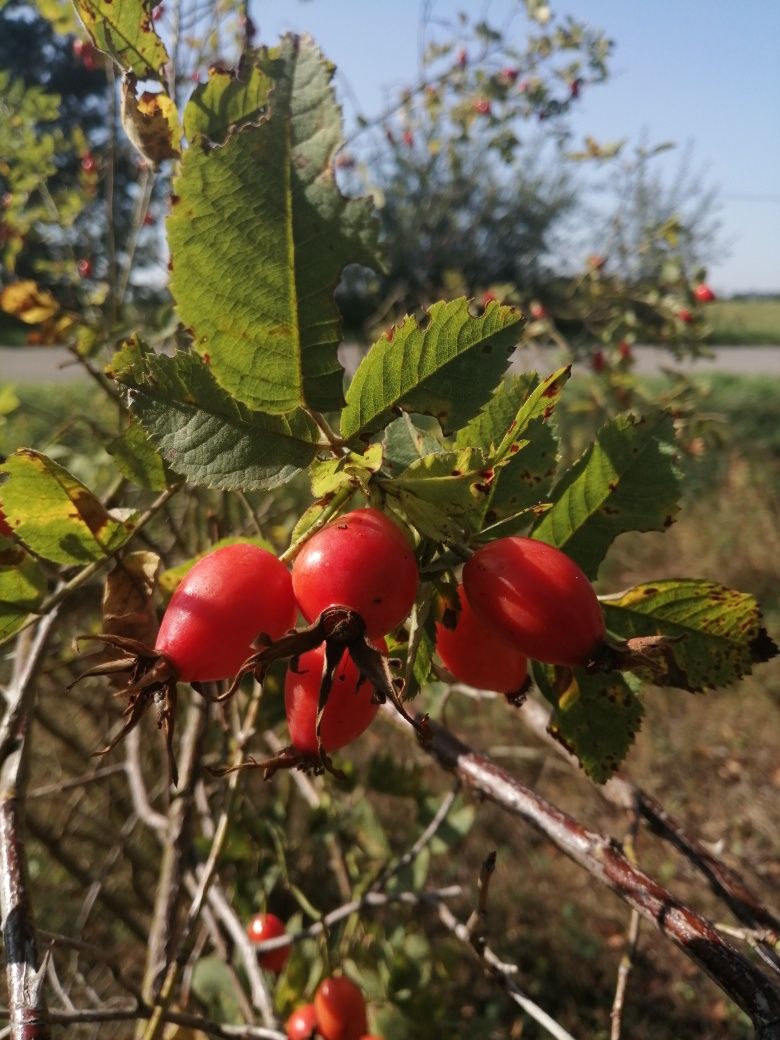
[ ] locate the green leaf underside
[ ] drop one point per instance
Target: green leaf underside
(22, 586)
(125, 30)
(445, 365)
(627, 480)
(596, 718)
(202, 432)
(260, 234)
(442, 494)
(405, 442)
(138, 460)
(55, 515)
(720, 629)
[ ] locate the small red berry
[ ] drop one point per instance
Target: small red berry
(575, 87)
(84, 268)
(478, 654)
(158, 12)
(462, 58)
(269, 926)
(703, 293)
(624, 349)
(362, 561)
(685, 316)
(482, 106)
(408, 138)
(341, 1009)
(538, 311)
(84, 52)
(509, 75)
(149, 220)
(539, 597)
(88, 163)
(598, 361)
(302, 1023)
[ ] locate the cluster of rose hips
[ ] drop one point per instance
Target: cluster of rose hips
(339, 1008)
(355, 581)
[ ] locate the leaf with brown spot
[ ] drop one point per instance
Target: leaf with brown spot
(151, 122)
(125, 30)
(54, 514)
(717, 632)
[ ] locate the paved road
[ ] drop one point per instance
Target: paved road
(55, 364)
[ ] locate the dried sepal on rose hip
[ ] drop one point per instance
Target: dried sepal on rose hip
(479, 654)
(230, 595)
(355, 580)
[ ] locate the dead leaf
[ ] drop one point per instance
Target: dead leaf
(151, 122)
(128, 599)
(27, 302)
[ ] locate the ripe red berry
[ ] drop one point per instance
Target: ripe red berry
(703, 293)
(479, 654)
(230, 596)
(84, 268)
(269, 926)
(462, 58)
(302, 1023)
(362, 561)
(685, 315)
(481, 106)
(575, 87)
(84, 52)
(598, 361)
(347, 714)
(149, 220)
(340, 1009)
(538, 311)
(88, 163)
(624, 349)
(538, 596)
(509, 75)
(408, 138)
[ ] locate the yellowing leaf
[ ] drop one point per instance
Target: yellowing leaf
(27, 302)
(151, 122)
(124, 29)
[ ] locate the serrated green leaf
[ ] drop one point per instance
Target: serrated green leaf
(627, 480)
(717, 631)
(442, 495)
(490, 425)
(517, 523)
(596, 718)
(138, 460)
(22, 586)
(422, 646)
(54, 514)
(259, 295)
(445, 365)
(405, 442)
(213, 985)
(228, 102)
(125, 30)
(202, 432)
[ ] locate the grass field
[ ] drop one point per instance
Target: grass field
(754, 320)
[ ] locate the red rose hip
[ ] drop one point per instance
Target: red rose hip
(341, 1009)
(302, 1023)
(269, 926)
(538, 596)
(362, 561)
(479, 654)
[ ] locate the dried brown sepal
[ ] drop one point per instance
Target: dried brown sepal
(647, 653)
(151, 682)
(517, 698)
(287, 758)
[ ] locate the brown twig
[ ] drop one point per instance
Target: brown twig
(603, 859)
(24, 976)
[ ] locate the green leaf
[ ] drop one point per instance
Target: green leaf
(454, 829)
(596, 718)
(259, 294)
(490, 425)
(445, 365)
(405, 442)
(202, 432)
(442, 494)
(717, 631)
(353, 470)
(213, 986)
(22, 586)
(125, 30)
(54, 514)
(626, 480)
(138, 460)
(422, 646)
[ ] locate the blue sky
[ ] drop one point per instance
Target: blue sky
(705, 73)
